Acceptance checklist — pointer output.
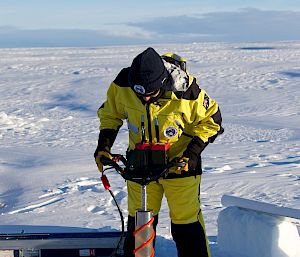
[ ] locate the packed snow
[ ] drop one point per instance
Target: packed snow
(247, 233)
(253, 228)
(49, 130)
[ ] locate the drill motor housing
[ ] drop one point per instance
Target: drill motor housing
(148, 157)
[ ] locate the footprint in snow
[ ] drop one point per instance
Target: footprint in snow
(37, 207)
(119, 197)
(95, 209)
(72, 186)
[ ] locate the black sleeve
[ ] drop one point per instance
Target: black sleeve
(106, 139)
(195, 147)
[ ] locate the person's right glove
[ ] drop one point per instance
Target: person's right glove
(99, 156)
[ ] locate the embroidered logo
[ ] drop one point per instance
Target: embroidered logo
(139, 89)
(206, 101)
(170, 132)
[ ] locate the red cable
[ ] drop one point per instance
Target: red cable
(143, 245)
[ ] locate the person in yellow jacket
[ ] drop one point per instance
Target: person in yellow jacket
(162, 103)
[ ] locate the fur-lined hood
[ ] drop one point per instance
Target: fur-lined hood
(180, 79)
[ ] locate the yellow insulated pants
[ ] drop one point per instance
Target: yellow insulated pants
(183, 197)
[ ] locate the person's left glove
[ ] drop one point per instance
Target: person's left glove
(100, 155)
(187, 162)
(181, 165)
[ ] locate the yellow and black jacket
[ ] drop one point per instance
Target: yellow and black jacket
(186, 118)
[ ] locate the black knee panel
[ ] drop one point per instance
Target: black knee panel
(190, 239)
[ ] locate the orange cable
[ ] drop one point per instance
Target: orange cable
(148, 241)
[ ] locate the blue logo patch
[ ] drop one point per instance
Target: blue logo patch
(139, 89)
(170, 132)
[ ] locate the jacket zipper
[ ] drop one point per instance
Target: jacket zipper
(149, 123)
(150, 133)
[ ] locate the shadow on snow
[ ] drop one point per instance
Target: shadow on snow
(291, 74)
(70, 102)
(255, 48)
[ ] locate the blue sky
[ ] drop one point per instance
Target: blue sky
(97, 22)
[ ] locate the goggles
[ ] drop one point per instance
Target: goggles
(151, 94)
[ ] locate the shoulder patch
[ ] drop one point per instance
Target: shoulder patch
(122, 79)
(206, 101)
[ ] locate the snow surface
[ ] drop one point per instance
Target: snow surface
(49, 129)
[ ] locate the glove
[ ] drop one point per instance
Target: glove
(99, 155)
(183, 165)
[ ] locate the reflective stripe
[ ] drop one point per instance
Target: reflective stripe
(133, 128)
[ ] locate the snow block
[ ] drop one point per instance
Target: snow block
(248, 233)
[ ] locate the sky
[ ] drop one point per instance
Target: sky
(115, 22)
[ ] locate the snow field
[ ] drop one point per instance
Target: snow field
(49, 129)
